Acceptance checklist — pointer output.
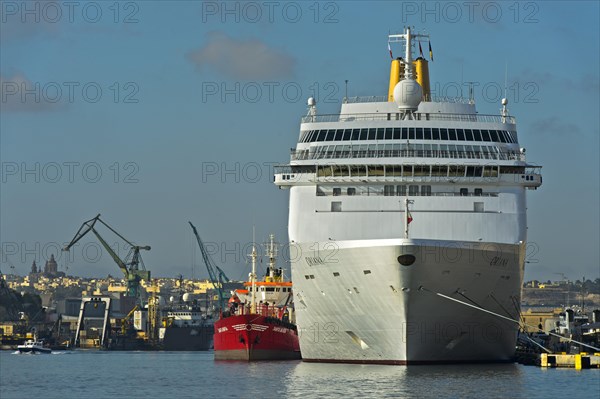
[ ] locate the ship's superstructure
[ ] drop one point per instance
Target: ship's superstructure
(396, 200)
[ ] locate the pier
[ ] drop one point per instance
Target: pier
(577, 361)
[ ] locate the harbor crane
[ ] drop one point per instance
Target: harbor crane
(132, 266)
(216, 275)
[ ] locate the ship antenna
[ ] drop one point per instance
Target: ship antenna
(504, 111)
(471, 95)
(505, 77)
(462, 78)
(346, 97)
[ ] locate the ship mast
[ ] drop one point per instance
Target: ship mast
(272, 253)
(408, 70)
(253, 255)
(408, 89)
(407, 36)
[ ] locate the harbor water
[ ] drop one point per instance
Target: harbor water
(99, 375)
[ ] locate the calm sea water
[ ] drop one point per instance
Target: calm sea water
(99, 375)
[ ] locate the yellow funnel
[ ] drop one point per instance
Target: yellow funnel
(394, 78)
(421, 68)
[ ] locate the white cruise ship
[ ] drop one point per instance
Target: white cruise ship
(407, 213)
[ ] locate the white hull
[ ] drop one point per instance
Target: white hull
(392, 314)
(33, 348)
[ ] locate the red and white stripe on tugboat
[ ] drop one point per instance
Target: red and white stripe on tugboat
(249, 327)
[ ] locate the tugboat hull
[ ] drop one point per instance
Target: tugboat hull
(255, 337)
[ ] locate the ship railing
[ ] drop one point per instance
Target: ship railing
(303, 155)
(278, 169)
(375, 192)
(365, 99)
(418, 116)
(266, 310)
(383, 99)
(261, 309)
(332, 173)
(448, 99)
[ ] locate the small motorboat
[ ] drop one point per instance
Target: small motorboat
(33, 346)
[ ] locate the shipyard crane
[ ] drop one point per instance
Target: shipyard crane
(216, 275)
(132, 267)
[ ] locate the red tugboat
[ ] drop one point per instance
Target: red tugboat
(264, 331)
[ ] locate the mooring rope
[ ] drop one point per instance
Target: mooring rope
(538, 344)
(517, 306)
(499, 304)
(421, 288)
(466, 297)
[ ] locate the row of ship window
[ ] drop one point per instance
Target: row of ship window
(399, 190)
(408, 133)
(416, 170)
(406, 150)
(336, 206)
(449, 170)
(335, 274)
(270, 289)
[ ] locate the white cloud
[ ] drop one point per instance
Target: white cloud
(584, 82)
(19, 94)
(245, 59)
(17, 24)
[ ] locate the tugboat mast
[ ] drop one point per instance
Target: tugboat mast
(253, 256)
(272, 254)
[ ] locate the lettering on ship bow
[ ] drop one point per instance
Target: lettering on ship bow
(314, 260)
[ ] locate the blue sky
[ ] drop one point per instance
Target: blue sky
(155, 113)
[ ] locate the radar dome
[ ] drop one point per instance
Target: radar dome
(408, 94)
(504, 101)
(186, 297)
(171, 299)
(311, 101)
